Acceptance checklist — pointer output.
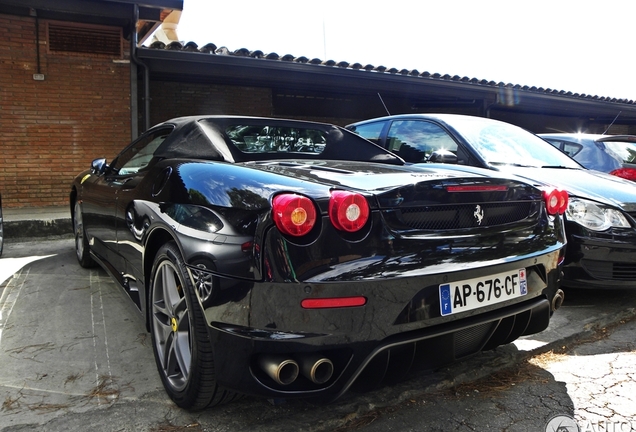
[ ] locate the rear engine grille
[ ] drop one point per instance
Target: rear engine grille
(450, 217)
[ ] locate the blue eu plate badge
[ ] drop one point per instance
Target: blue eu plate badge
(445, 299)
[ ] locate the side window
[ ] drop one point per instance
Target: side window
(415, 140)
(138, 155)
(571, 149)
(371, 131)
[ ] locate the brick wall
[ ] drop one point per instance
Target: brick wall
(52, 129)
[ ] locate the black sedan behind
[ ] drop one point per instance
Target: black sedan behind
(291, 259)
(601, 216)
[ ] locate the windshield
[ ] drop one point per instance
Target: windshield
(501, 144)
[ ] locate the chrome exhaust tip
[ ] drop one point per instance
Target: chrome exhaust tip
(281, 369)
(316, 368)
(557, 300)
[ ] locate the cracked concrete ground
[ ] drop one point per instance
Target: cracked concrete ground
(601, 379)
(75, 357)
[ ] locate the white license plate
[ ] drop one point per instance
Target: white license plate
(462, 296)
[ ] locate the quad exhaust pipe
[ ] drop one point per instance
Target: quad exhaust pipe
(557, 300)
(316, 368)
(281, 369)
(284, 370)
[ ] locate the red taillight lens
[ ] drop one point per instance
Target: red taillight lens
(348, 211)
(626, 173)
(294, 215)
(556, 201)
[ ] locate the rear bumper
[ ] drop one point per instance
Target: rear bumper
(372, 344)
(366, 364)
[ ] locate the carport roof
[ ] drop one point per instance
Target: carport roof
(213, 54)
(212, 64)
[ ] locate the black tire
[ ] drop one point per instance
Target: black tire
(180, 341)
(82, 250)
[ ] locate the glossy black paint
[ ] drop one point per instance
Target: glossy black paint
(594, 259)
(251, 279)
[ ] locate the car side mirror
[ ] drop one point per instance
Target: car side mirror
(99, 166)
(443, 156)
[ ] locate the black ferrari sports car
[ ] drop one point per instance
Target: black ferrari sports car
(289, 259)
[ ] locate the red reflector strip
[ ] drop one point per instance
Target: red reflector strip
(334, 302)
(483, 188)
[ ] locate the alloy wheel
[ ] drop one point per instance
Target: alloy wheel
(171, 325)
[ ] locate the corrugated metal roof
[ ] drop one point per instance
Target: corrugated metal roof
(212, 49)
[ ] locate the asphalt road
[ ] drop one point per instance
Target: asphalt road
(75, 356)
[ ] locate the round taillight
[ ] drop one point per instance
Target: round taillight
(294, 215)
(348, 211)
(556, 201)
(626, 173)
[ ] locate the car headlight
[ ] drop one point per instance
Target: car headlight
(594, 216)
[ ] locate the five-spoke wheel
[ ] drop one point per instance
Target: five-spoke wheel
(171, 325)
(182, 347)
